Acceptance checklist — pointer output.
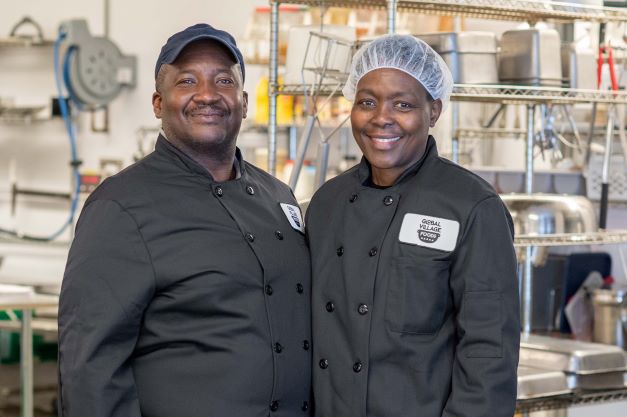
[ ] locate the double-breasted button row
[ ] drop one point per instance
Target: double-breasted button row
(353, 198)
(373, 251)
(340, 251)
(274, 405)
(362, 309)
(357, 366)
(388, 200)
(278, 348)
(269, 290)
(251, 238)
(219, 191)
(330, 307)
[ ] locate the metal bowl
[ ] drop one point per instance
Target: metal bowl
(548, 214)
(543, 214)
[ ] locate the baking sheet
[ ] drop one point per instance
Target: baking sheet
(581, 358)
(536, 383)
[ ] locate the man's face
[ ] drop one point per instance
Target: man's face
(390, 119)
(200, 99)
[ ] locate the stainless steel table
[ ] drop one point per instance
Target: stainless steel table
(26, 303)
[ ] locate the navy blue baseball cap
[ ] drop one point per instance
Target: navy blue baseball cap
(180, 40)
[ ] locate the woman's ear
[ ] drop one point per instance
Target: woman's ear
(436, 110)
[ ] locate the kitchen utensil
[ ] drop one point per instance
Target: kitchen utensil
(586, 365)
(530, 57)
(543, 214)
(610, 316)
(578, 67)
(308, 55)
(576, 269)
(537, 383)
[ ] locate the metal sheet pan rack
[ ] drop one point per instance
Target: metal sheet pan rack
(608, 237)
(569, 400)
(518, 10)
(511, 94)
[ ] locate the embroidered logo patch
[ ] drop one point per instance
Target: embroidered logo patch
(430, 232)
(293, 216)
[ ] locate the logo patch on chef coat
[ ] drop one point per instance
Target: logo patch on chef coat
(430, 232)
(293, 216)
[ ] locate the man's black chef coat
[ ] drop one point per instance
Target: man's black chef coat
(186, 297)
(415, 302)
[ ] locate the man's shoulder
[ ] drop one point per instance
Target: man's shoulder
(125, 184)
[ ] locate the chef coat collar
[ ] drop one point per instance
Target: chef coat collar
(165, 147)
(365, 175)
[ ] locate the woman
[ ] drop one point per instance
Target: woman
(415, 303)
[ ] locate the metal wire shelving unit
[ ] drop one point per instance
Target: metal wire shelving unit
(569, 400)
(517, 10)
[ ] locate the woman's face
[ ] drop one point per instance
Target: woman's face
(390, 118)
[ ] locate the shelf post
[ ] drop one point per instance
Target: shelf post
(455, 129)
(272, 84)
(391, 16)
(529, 153)
(527, 273)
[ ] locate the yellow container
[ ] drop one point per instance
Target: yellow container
(285, 105)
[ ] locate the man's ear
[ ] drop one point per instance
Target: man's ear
(436, 110)
(245, 105)
(156, 104)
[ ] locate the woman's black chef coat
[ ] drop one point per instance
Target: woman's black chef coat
(423, 327)
(186, 297)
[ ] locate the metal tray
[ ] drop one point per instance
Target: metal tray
(600, 381)
(537, 383)
(581, 358)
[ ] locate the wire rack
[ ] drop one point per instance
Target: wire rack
(510, 94)
(607, 237)
(569, 400)
(513, 94)
(517, 10)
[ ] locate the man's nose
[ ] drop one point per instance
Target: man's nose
(206, 92)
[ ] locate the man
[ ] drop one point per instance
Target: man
(186, 291)
(415, 303)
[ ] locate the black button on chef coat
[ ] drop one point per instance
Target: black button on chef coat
(441, 336)
(165, 307)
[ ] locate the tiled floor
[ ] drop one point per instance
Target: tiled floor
(45, 382)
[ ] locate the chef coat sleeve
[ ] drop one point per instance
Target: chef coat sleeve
(485, 292)
(106, 287)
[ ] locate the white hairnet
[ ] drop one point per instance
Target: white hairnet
(405, 53)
